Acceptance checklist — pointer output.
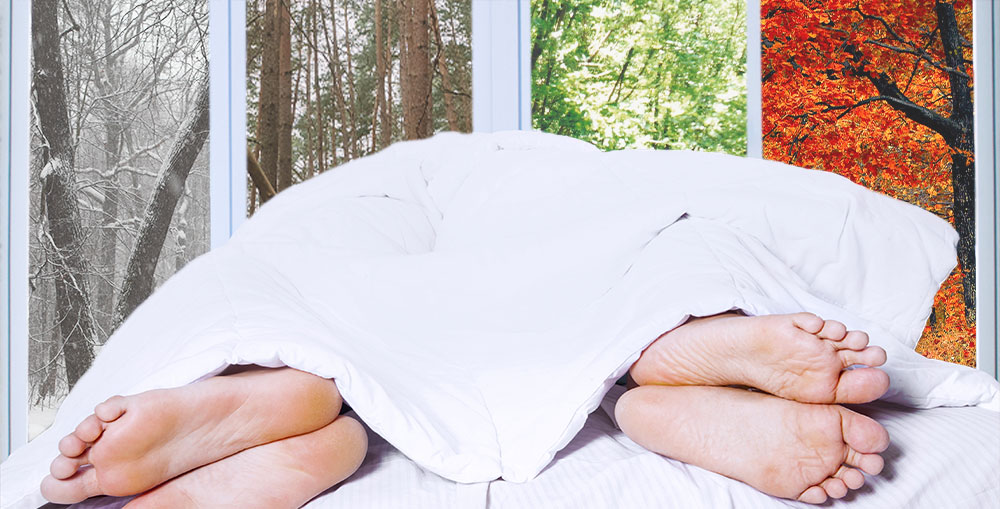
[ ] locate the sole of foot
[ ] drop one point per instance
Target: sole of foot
(800, 451)
(279, 475)
(133, 443)
(797, 356)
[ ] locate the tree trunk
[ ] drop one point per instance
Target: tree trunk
(107, 247)
(139, 274)
(385, 50)
(390, 119)
(320, 149)
(258, 178)
(415, 68)
(353, 110)
(269, 100)
(181, 255)
(963, 169)
(442, 64)
(284, 177)
(379, 76)
(310, 119)
(73, 310)
(402, 30)
(333, 49)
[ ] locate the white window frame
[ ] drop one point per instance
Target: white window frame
(501, 68)
(501, 100)
(14, 195)
(986, 56)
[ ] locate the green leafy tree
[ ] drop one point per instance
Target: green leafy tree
(641, 74)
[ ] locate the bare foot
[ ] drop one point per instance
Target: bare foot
(283, 474)
(799, 356)
(131, 444)
(793, 450)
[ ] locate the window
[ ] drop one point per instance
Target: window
(501, 98)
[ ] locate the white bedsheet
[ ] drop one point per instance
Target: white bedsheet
(940, 457)
(439, 281)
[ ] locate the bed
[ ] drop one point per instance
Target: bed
(941, 457)
(438, 282)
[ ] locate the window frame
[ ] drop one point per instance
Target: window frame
(501, 48)
(986, 62)
(14, 295)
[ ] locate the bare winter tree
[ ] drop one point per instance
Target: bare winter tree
(65, 233)
(139, 280)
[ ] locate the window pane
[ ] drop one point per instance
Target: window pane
(326, 83)
(881, 93)
(119, 173)
(666, 74)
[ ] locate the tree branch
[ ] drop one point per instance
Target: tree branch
(890, 93)
(922, 55)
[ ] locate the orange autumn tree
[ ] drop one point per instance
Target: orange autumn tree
(880, 91)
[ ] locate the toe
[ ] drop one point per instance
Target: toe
(852, 478)
(78, 488)
(71, 446)
(861, 385)
(111, 409)
(862, 433)
(871, 356)
(64, 468)
(871, 464)
(832, 330)
(834, 487)
(813, 495)
(854, 340)
(808, 322)
(89, 430)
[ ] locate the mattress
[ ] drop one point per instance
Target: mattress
(939, 457)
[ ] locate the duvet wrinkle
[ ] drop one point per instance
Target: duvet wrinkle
(234, 310)
(638, 254)
(715, 254)
(383, 195)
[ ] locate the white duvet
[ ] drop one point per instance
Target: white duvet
(475, 296)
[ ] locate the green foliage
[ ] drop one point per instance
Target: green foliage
(641, 73)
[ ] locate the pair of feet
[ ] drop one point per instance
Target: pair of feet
(794, 440)
(267, 438)
(274, 436)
